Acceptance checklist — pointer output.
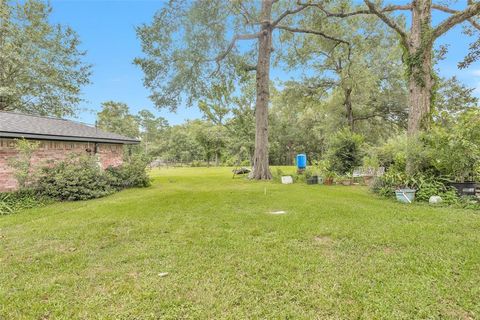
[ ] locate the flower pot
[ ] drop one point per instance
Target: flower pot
(312, 181)
(405, 195)
(466, 188)
(346, 182)
(328, 181)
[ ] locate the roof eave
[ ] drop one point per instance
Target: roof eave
(17, 135)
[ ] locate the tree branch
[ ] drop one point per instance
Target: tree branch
(389, 22)
(342, 14)
(455, 19)
(230, 47)
(474, 23)
(289, 12)
(318, 33)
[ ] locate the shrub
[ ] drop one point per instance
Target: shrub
(197, 163)
(392, 153)
(11, 202)
(345, 151)
(132, 174)
(455, 150)
(22, 164)
(426, 186)
(74, 179)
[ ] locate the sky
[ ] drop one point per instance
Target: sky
(107, 31)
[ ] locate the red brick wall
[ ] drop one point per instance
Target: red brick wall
(51, 151)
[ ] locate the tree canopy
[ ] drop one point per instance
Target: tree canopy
(42, 68)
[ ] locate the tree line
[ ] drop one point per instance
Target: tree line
(368, 67)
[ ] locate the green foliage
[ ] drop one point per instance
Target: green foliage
(425, 185)
(194, 33)
(131, 174)
(152, 132)
(346, 151)
(115, 117)
(77, 178)
(41, 65)
(455, 150)
(22, 164)
(81, 178)
(11, 202)
(452, 99)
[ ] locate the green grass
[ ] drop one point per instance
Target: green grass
(338, 253)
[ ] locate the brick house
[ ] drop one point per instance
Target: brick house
(58, 138)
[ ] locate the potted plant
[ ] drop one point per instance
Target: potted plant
(323, 172)
(329, 177)
(404, 192)
(464, 184)
(317, 171)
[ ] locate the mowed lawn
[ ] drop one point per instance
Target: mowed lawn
(338, 253)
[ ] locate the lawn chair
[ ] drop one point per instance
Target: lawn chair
(357, 174)
(240, 171)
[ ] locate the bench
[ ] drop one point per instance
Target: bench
(368, 173)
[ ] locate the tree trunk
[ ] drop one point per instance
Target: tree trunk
(420, 81)
(217, 159)
(347, 102)
(260, 159)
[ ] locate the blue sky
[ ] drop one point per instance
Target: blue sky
(107, 31)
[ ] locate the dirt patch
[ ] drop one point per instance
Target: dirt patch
(323, 240)
(388, 250)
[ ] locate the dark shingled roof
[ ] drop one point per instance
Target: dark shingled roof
(16, 125)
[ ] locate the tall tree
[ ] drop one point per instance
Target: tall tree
(41, 66)
(418, 43)
(152, 131)
(115, 117)
(360, 62)
(187, 49)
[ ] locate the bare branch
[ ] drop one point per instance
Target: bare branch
(230, 47)
(455, 19)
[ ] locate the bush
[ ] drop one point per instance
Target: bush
(74, 179)
(455, 150)
(11, 202)
(22, 164)
(345, 152)
(82, 178)
(132, 174)
(426, 186)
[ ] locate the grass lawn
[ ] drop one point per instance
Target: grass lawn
(338, 253)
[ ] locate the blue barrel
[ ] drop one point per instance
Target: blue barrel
(301, 161)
